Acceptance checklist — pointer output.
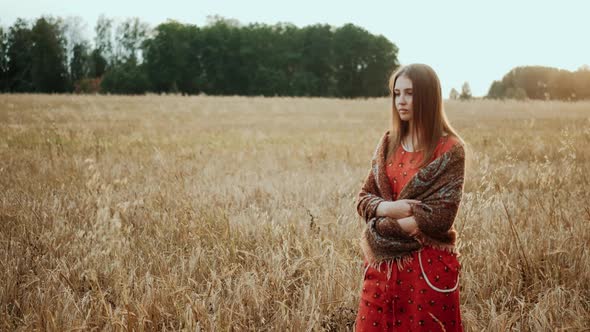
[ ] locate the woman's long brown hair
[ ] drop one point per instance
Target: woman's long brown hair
(429, 120)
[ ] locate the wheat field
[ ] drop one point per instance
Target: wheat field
(237, 214)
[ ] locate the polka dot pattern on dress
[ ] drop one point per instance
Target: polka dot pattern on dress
(406, 302)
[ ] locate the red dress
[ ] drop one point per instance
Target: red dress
(423, 295)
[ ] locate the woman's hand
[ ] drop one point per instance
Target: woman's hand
(409, 225)
(390, 226)
(396, 209)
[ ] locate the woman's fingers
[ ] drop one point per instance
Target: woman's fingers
(411, 202)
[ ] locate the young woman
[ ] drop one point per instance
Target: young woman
(409, 201)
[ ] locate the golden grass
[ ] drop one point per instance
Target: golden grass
(202, 213)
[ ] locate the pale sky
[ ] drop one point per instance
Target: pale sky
(473, 41)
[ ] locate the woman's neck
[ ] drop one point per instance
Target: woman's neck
(410, 141)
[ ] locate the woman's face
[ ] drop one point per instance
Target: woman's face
(402, 93)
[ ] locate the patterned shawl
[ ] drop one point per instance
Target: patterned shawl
(439, 187)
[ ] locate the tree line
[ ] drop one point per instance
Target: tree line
(224, 57)
(537, 82)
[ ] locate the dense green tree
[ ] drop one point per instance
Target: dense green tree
(127, 78)
(171, 58)
(288, 59)
(317, 61)
(97, 64)
(19, 53)
(49, 70)
(351, 44)
(381, 60)
(79, 63)
(3, 60)
(221, 58)
(260, 67)
(362, 62)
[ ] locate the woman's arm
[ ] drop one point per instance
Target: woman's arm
(396, 209)
(388, 226)
(367, 200)
(397, 216)
(370, 196)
